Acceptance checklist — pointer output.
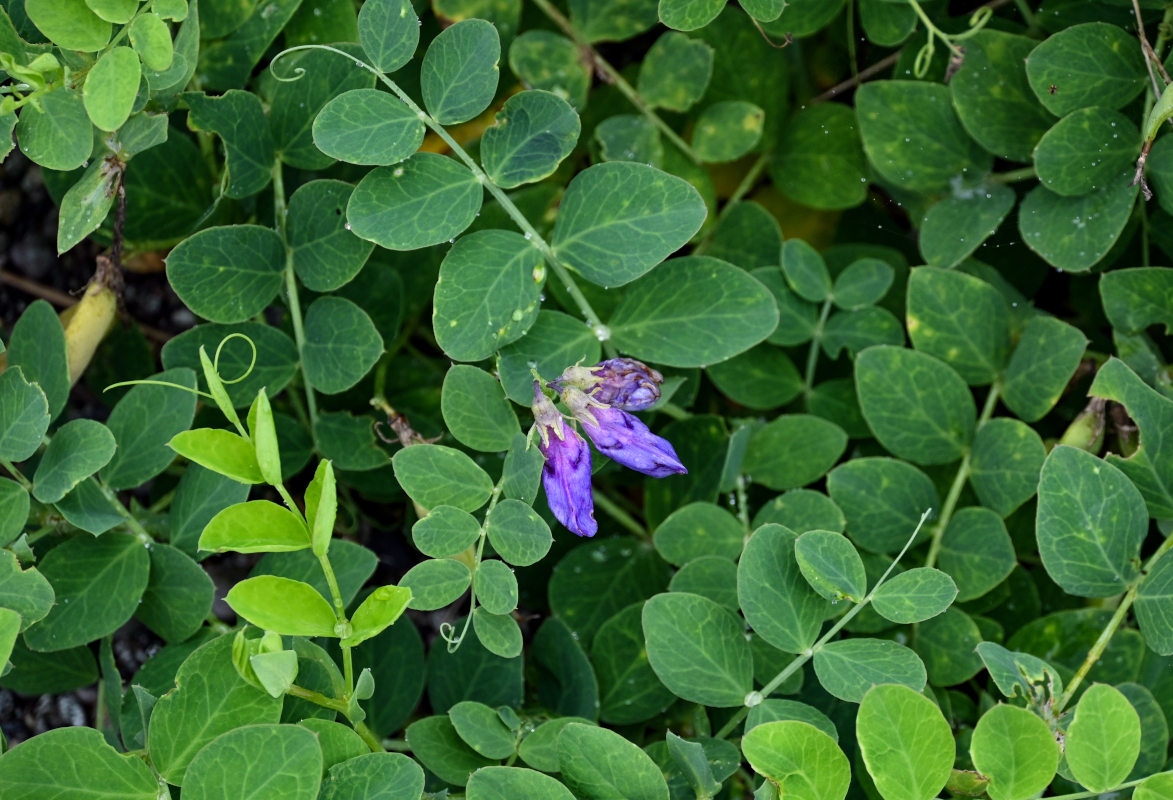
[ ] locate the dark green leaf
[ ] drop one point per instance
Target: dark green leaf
(1094, 64)
(956, 226)
(1107, 138)
(341, 344)
(831, 565)
(58, 135)
(530, 136)
(25, 591)
(849, 667)
(675, 71)
(598, 763)
(368, 126)
(777, 601)
(882, 499)
(459, 71)
(976, 551)
(772, 458)
(436, 583)
(1074, 233)
(79, 448)
(389, 32)
(517, 533)
(434, 741)
(629, 690)
(762, 377)
(37, 348)
(433, 475)
(1046, 357)
(228, 274)
(24, 415)
(819, 160)
(1134, 299)
(544, 60)
(597, 579)
(961, 320)
(698, 649)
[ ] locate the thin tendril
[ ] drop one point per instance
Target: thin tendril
(216, 358)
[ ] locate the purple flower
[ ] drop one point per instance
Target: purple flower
(566, 475)
(621, 382)
(622, 437)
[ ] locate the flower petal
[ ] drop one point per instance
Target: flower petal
(566, 477)
(626, 440)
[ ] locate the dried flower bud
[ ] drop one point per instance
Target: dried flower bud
(621, 382)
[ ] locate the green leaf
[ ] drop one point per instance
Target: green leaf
(913, 138)
(69, 23)
(885, 23)
(219, 450)
(24, 415)
(1047, 355)
(805, 271)
(727, 130)
(85, 206)
(79, 449)
(152, 41)
(955, 227)
(14, 508)
(597, 579)
(499, 633)
(1005, 462)
(947, 645)
(178, 597)
(629, 690)
(376, 613)
(690, 758)
(505, 783)
(747, 235)
(691, 312)
(348, 441)
(256, 760)
(629, 137)
(341, 344)
(905, 742)
(976, 551)
(546, 61)
(698, 529)
(612, 20)
(529, 138)
(857, 330)
(353, 566)
(97, 583)
(482, 729)
(713, 577)
(487, 295)
(495, 586)
(1015, 750)
(368, 126)
(849, 667)
(1152, 607)
(698, 649)
(772, 458)
(258, 526)
(116, 11)
(775, 710)
(436, 583)
(111, 86)
(434, 741)
(88, 509)
(802, 761)
(819, 160)
(1103, 740)
(917, 406)
(555, 341)
(1074, 233)
(597, 763)
(862, 283)
(433, 475)
(1149, 468)
(777, 601)
(517, 533)
(831, 565)
(1061, 158)
(459, 71)
(618, 220)
(1090, 524)
(389, 32)
(674, 72)
(374, 776)
(325, 254)
(167, 192)
(993, 98)
(37, 348)
(762, 377)
(1156, 787)
(228, 274)
(802, 510)
(914, 595)
(446, 531)
(1135, 299)
(25, 591)
(1094, 64)
(285, 606)
(425, 200)
(688, 15)
(76, 762)
(58, 135)
(961, 320)
(238, 118)
(882, 500)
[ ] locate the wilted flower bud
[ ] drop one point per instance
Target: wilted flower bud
(566, 475)
(622, 437)
(621, 382)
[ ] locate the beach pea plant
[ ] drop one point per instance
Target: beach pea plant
(643, 399)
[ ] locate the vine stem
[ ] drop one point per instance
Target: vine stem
(618, 514)
(1101, 643)
(291, 284)
(341, 706)
(601, 331)
(16, 473)
(812, 356)
(959, 480)
(756, 697)
(612, 76)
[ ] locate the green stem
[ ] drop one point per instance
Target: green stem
(795, 665)
(748, 181)
(742, 502)
(1113, 793)
(1027, 15)
(291, 286)
(933, 30)
(618, 514)
(959, 480)
(16, 473)
(318, 698)
(812, 356)
(1014, 175)
(612, 76)
(162, 503)
(131, 522)
(368, 736)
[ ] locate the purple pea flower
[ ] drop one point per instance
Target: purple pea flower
(566, 475)
(621, 382)
(622, 437)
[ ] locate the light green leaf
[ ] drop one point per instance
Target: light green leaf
(376, 613)
(831, 565)
(111, 86)
(258, 526)
(698, 649)
(288, 607)
(777, 602)
(597, 763)
(459, 71)
(1090, 524)
(368, 126)
(74, 762)
(71, 24)
(59, 135)
(691, 312)
(219, 450)
(487, 295)
(422, 201)
(79, 448)
(914, 595)
(905, 742)
(618, 220)
(528, 139)
(1103, 740)
(374, 776)
(727, 130)
(802, 761)
(152, 40)
(1015, 750)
